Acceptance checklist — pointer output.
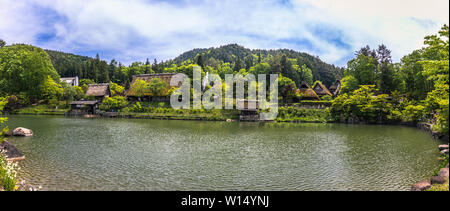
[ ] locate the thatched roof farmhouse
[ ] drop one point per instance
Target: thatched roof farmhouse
(99, 91)
(321, 89)
(307, 93)
(335, 88)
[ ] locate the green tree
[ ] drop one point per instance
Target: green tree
(2, 43)
(157, 87)
(349, 84)
(23, 71)
(306, 74)
(385, 69)
(260, 68)
(139, 88)
(116, 89)
(287, 88)
(436, 69)
(3, 128)
(362, 68)
(51, 90)
(115, 103)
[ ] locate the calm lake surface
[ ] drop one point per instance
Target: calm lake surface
(133, 154)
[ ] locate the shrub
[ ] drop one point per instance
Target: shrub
(113, 103)
(8, 174)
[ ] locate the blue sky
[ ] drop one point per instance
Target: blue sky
(134, 30)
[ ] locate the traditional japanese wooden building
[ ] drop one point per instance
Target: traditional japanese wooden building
(335, 88)
(99, 91)
(321, 90)
(83, 107)
(249, 110)
(307, 93)
(166, 77)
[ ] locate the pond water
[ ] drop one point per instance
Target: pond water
(137, 154)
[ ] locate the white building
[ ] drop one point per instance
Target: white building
(73, 81)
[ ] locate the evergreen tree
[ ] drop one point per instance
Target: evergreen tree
(237, 65)
(200, 61)
(385, 69)
(147, 67)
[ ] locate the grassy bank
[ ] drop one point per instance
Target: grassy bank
(295, 114)
(170, 113)
(41, 110)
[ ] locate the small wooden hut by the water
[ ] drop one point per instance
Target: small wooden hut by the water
(248, 110)
(83, 107)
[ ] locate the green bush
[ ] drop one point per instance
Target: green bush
(115, 103)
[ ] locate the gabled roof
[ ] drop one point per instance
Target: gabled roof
(98, 90)
(306, 92)
(321, 89)
(335, 88)
(304, 85)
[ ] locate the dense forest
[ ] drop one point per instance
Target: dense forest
(225, 59)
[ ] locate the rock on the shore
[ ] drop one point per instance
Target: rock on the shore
(11, 152)
(443, 172)
(20, 131)
(437, 180)
(421, 186)
(444, 146)
(444, 152)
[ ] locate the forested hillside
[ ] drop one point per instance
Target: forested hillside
(280, 61)
(222, 60)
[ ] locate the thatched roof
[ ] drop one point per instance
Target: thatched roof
(304, 85)
(166, 77)
(98, 90)
(335, 88)
(307, 93)
(321, 89)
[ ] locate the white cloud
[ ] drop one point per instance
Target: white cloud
(136, 29)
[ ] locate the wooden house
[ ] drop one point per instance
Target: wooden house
(83, 107)
(99, 91)
(321, 89)
(307, 93)
(166, 77)
(248, 110)
(335, 88)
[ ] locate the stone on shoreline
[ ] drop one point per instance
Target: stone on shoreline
(11, 152)
(421, 186)
(443, 172)
(20, 131)
(437, 180)
(444, 152)
(444, 146)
